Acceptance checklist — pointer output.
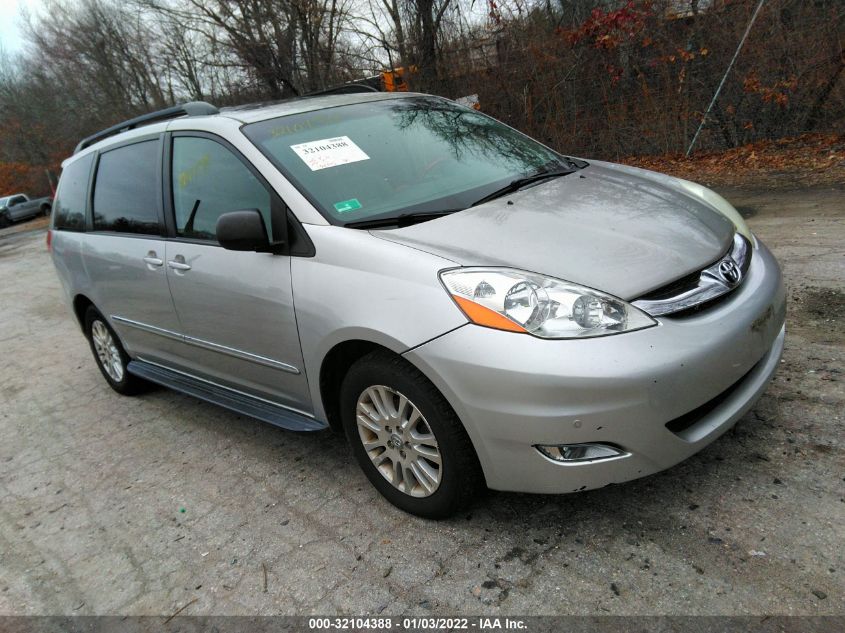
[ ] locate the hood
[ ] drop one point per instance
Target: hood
(621, 233)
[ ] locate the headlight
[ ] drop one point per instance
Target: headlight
(517, 301)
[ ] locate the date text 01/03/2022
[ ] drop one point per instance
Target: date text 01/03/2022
(414, 623)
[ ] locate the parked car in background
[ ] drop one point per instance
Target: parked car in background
(19, 207)
(471, 307)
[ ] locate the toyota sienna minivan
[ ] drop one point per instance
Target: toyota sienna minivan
(471, 307)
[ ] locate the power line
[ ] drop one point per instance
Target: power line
(727, 72)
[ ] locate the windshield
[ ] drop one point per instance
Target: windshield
(398, 156)
(4, 201)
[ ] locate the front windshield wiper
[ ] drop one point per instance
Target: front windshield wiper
(407, 219)
(519, 183)
(404, 219)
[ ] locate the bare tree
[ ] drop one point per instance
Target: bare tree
(605, 78)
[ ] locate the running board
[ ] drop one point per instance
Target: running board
(234, 400)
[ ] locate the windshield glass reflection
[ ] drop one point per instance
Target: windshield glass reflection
(397, 156)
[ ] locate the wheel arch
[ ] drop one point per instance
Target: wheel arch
(81, 303)
(333, 369)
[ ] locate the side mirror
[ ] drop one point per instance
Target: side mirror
(243, 231)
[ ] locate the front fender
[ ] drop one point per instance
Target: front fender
(361, 288)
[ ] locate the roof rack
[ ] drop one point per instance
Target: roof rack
(345, 89)
(193, 108)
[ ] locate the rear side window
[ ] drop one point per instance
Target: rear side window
(126, 196)
(69, 205)
(209, 180)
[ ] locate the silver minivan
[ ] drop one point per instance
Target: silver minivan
(471, 307)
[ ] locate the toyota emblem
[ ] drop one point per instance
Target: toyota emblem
(729, 272)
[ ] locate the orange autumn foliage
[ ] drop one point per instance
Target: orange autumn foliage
(23, 178)
(809, 159)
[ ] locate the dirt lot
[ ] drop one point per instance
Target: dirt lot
(141, 506)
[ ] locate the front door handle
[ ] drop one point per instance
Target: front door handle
(178, 263)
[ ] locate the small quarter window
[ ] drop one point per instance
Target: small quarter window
(208, 181)
(126, 197)
(70, 202)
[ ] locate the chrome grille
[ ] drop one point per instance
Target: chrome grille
(694, 290)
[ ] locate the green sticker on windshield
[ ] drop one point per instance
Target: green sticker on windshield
(347, 205)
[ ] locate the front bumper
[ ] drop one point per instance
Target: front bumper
(513, 391)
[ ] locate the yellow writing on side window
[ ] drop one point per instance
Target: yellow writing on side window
(187, 175)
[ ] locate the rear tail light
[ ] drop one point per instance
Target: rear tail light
(49, 239)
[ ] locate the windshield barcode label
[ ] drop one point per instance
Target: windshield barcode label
(329, 152)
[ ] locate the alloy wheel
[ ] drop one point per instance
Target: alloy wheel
(399, 441)
(107, 351)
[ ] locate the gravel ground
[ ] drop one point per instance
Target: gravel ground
(112, 505)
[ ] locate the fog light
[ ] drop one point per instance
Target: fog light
(580, 452)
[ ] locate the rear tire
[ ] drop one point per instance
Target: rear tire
(111, 358)
(46, 209)
(418, 454)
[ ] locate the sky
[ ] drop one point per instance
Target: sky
(11, 35)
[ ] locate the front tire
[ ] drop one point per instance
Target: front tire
(407, 439)
(5, 220)
(111, 358)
